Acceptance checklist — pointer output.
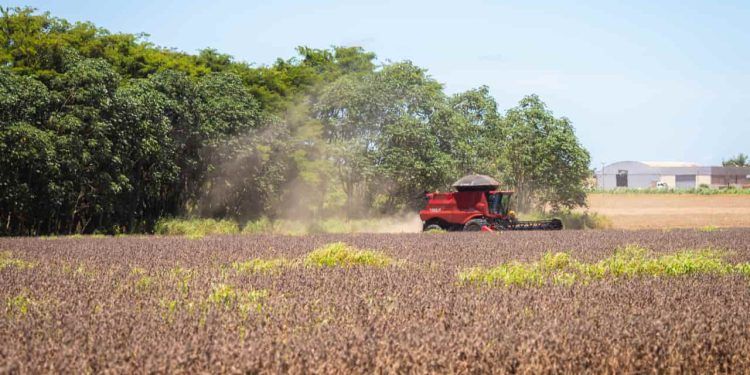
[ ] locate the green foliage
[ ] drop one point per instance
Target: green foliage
(195, 227)
(741, 160)
(18, 306)
(262, 225)
(743, 269)
(261, 265)
(7, 260)
(181, 277)
(633, 260)
(107, 133)
(227, 297)
(542, 158)
(626, 262)
(340, 254)
(709, 229)
(144, 283)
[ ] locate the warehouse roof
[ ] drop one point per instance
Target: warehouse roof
(670, 164)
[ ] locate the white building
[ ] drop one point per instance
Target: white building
(674, 175)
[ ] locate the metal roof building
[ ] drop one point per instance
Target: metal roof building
(674, 175)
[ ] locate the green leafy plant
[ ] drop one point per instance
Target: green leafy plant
(261, 265)
(7, 260)
(144, 283)
(340, 254)
(195, 228)
(709, 229)
(227, 297)
(18, 305)
(628, 261)
(182, 277)
(262, 225)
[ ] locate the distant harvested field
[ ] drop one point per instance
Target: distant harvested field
(638, 211)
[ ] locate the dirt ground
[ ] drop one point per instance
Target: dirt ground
(636, 211)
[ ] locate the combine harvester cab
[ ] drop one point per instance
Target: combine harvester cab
(476, 205)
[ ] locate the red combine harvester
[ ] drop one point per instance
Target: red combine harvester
(476, 205)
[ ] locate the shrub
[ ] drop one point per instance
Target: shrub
(262, 225)
(195, 227)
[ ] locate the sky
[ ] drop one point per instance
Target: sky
(640, 80)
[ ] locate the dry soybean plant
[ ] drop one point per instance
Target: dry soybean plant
(578, 301)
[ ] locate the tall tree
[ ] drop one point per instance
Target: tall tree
(740, 160)
(542, 158)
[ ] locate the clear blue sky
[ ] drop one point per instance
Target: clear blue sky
(641, 80)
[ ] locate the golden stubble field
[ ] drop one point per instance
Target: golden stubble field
(639, 211)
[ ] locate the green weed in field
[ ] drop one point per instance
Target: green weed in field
(626, 262)
(743, 269)
(340, 254)
(261, 265)
(227, 297)
(513, 273)
(7, 260)
(182, 277)
(18, 306)
(708, 229)
(144, 283)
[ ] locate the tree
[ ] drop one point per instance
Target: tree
(91, 172)
(410, 161)
(477, 133)
(106, 132)
(740, 160)
(146, 154)
(361, 115)
(542, 158)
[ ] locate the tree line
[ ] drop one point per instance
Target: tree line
(103, 132)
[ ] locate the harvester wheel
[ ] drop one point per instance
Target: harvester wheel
(433, 227)
(474, 225)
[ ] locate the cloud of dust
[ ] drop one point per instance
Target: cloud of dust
(283, 171)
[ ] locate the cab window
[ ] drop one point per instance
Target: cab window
(497, 203)
(505, 204)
